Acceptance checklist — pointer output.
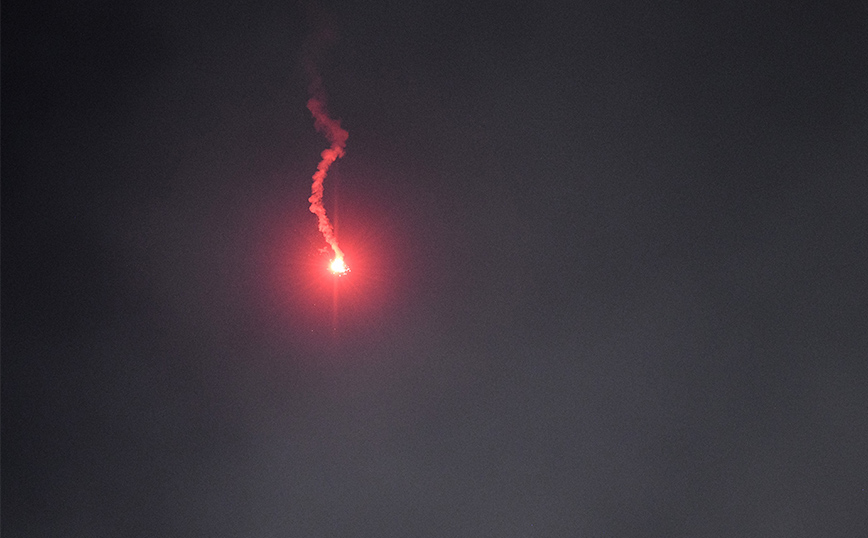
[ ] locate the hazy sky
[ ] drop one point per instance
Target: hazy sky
(608, 270)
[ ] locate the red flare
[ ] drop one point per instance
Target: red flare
(338, 267)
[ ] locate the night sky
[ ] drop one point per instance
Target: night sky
(609, 270)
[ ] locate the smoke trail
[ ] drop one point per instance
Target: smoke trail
(337, 136)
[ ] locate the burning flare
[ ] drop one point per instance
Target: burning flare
(337, 136)
(338, 266)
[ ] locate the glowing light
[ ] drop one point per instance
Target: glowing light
(338, 267)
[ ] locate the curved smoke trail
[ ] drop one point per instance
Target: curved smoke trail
(337, 136)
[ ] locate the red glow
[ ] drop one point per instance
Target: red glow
(296, 297)
(339, 267)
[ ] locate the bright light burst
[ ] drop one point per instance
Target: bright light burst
(338, 267)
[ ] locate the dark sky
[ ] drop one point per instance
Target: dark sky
(610, 270)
